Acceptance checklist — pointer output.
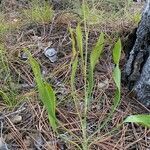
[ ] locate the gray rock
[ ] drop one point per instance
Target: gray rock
(39, 142)
(24, 56)
(3, 145)
(16, 119)
(51, 53)
(142, 86)
(137, 67)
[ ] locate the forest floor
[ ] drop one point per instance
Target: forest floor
(23, 119)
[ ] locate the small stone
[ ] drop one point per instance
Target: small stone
(24, 56)
(9, 136)
(103, 84)
(16, 119)
(51, 53)
(3, 145)
(39, 142)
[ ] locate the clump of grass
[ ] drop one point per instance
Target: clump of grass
(93, 15)
(7, 92)
(112, 5)
(39, 13)
(7, 25)
(4, 25)
(108, 14)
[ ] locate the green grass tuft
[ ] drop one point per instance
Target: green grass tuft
(4, 25)
(39, 13)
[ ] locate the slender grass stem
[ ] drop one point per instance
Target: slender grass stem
(98, 138)
(67, 130)
(84, 125)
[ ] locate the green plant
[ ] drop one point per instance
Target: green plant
(4, 25)
(5, 97)
(93, 15)
(46, 93)
(7, 24)
(94, 57)
(116, 75)
(88, 72)
(7, 92)
(89, 80)
(80, 51)
(142, 119)
(4, 63)
(39, 13)
(137, 17)
(117, 79)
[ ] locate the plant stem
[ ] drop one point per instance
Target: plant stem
(84, 124)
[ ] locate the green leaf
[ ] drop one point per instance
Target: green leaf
(50, 104)
(95, 54)
(79, 38)
(137, 17)
(73, 73)
(85, 11)
(117, 76)
(94, 57)
(143, 120)
(46, 92)
(73, 42)
(116, 100)
(117, 80)
(74, 61)
(117, 52)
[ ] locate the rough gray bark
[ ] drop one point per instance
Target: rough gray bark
(137, 68)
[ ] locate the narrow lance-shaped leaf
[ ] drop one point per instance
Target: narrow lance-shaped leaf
(117, 74)
(117, 80)
(85, 11)
(74, 61)
(95, 55)
(46, 92)
(117, 52)
(50, 105)
(73, 43)
(79, 39)
(96, 52)
(143, 119)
